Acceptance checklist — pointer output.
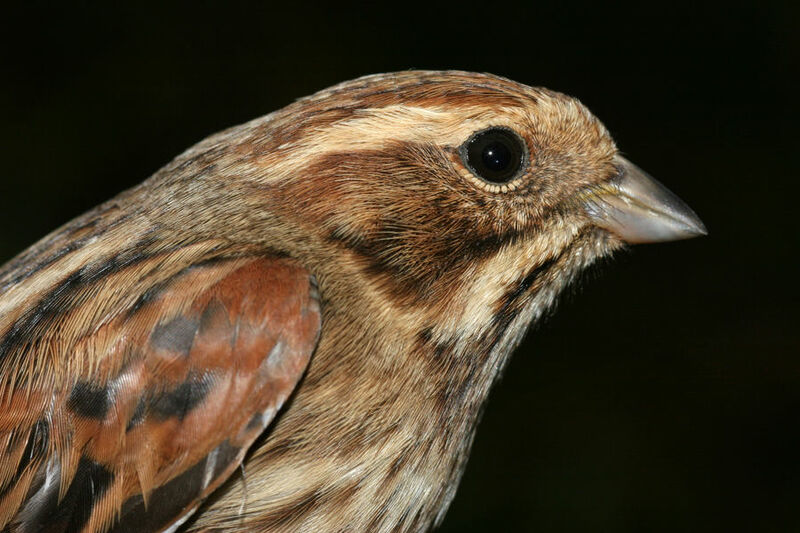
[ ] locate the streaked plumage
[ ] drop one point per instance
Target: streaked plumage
(146, 345)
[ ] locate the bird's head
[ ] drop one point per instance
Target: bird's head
(468, 196)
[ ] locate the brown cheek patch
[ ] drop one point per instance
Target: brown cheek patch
(404, 215)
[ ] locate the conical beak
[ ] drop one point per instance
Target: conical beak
(638, 209)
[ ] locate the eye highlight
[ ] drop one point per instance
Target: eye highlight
(495, 154)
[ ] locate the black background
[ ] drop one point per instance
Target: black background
(664, 394)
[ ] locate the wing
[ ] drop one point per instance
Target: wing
(187, 378)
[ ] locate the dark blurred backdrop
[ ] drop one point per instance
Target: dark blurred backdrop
(664, 394)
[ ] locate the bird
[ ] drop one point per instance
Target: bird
(294, 325)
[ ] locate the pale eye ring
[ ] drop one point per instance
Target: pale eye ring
(496, 154)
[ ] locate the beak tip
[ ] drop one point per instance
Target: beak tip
(694, 226)
(700, 230)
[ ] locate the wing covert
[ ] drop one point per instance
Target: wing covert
(187, 379)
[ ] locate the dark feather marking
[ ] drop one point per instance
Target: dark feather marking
(155, 290)
(418, 520)
(146, 297)
(71, 514)
(355, 242)
(49, 260)
(153, 293)
(442, 348)
(40, 493)
(225, 454)
(177, 335)
(37, 444)
(425, 335)
(451, 399)
(14, 440)
(26, 330)
(395, 468)
(509, 304)
(182, 399)
(378, 251)
(89, 401)
(214, 317)
(138, 414)
(255, 422)
(165, 503)
(35, 449)
(440, 355)
(343, 494)
(479, 248)
(513, 296)
(73, 232)
(427, 345)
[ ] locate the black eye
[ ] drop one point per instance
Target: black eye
(494, 154)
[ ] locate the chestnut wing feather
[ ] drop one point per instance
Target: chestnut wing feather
(191, 375)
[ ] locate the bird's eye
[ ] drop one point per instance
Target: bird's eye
(495, 154)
